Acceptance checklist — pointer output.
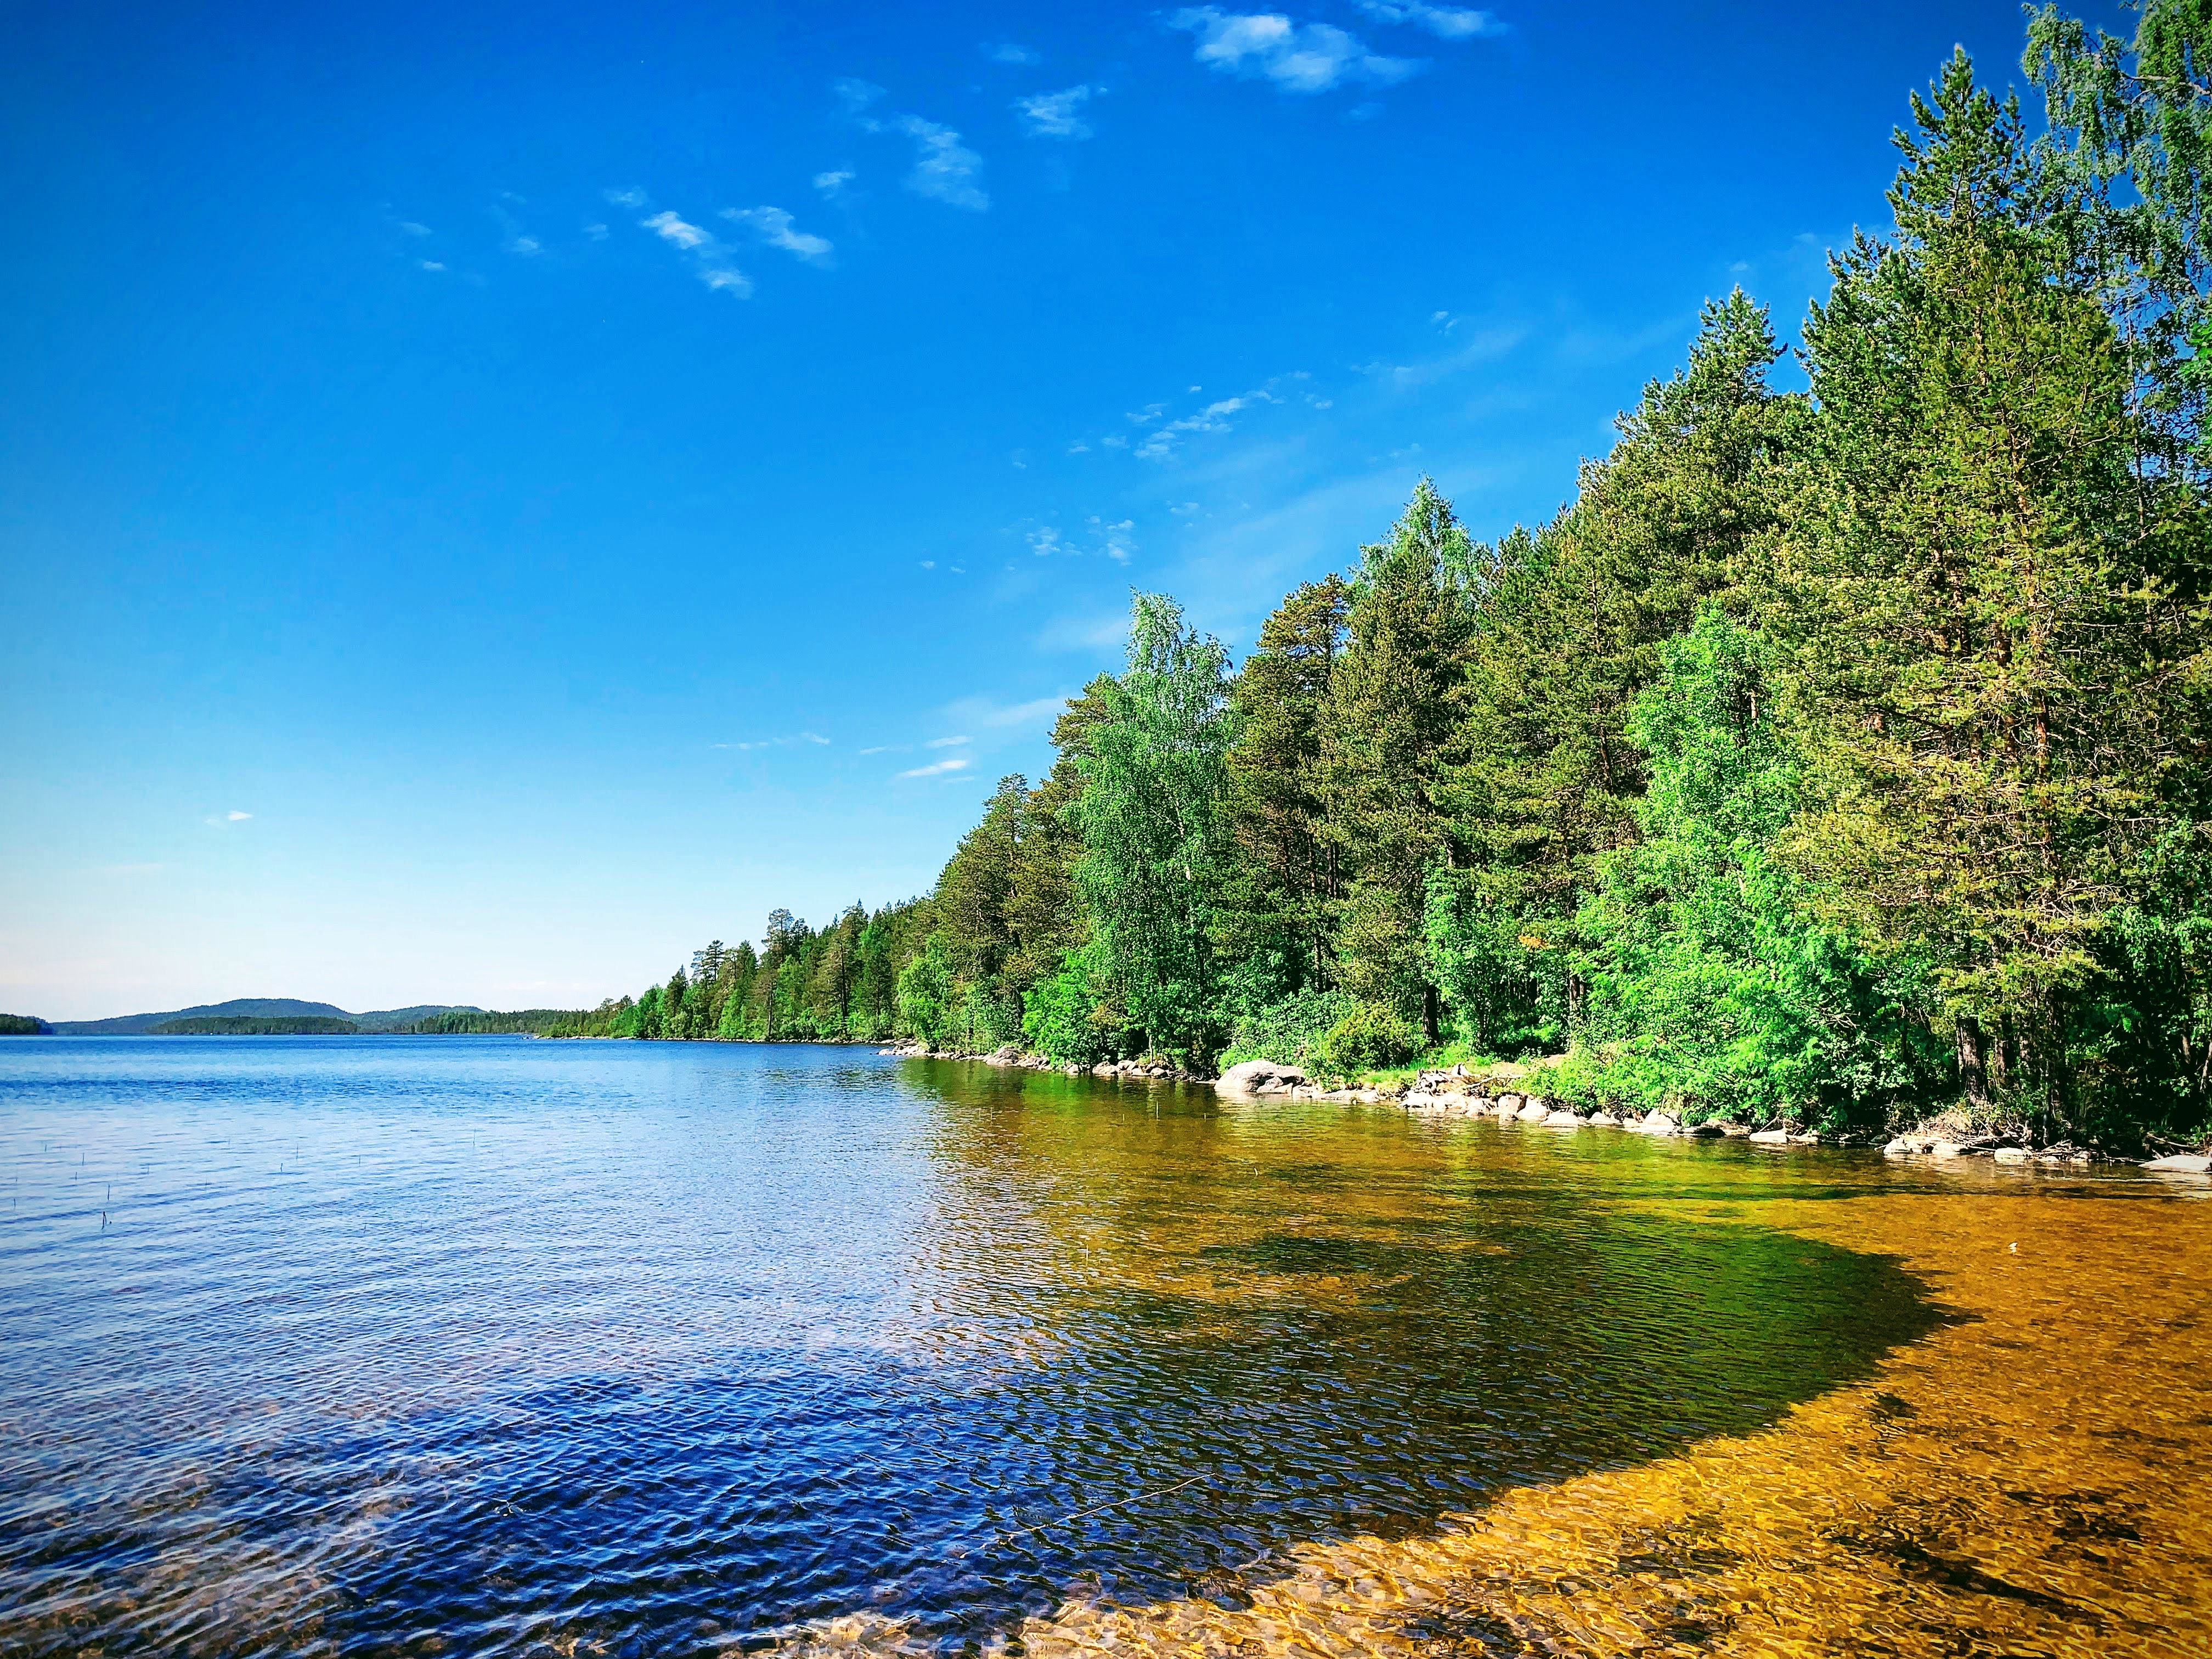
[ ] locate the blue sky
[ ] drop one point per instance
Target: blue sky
(494, 496)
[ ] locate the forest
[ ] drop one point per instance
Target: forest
(1832, 757)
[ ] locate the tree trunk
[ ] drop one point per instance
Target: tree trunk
(1973, 1064)
(1429, 1012)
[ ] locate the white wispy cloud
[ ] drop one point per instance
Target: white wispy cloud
(1214, 417)
(710, 259)
(1296, 57)
(774, 743)
(1445, 22)
(944, 169)
(945, 743)
(1114, 541)
(1006, 51)
(936, 769)
(774, 227)
(1036, 715)
(513, 238)
(1056, 114)
(832, 183)
(414, 229)
(236, 816)
(626, 198)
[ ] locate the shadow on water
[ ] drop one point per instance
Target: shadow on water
(1099, 1340)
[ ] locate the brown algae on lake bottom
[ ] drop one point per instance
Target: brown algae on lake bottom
(2029, 1479)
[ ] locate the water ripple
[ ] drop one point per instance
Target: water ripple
(385, 1346)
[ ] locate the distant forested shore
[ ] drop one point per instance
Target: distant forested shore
(1832, 758)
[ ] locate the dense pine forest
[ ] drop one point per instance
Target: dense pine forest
(1835, 756)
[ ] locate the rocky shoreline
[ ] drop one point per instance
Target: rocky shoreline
(1505, 1093)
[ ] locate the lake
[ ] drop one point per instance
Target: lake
(489, 1345)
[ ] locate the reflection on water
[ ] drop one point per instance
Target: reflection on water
(487, 1345)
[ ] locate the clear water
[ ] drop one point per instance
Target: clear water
(489, 1345)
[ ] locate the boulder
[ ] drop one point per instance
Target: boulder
(1563, 1119)
(1535, 1109)
(1255, 1078)
(1769, 1137)
(2182, 1164)
(2010, 1154)
(1603, 1119)
(1508, 1103)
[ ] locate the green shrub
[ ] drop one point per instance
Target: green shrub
(1367, 1039)
(1061, 1017)
(1286, 1030)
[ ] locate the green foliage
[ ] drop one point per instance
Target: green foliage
(2146, 1044)
(1155, 841)
(1713, 988)
(1502, 976)
(537, 1022)
(1067, 1018)
(24, 1025)
(1288, 1031)
(1368, 1038)
(924, 993)
(1986, 582)
(1281, 886)
(1388, 732)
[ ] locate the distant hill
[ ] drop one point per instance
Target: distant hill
(24, 1025)
(259, 1008)
(247, 1025)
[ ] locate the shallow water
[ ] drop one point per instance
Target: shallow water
(488, 1345)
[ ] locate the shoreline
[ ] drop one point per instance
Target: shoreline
(1999, 1486)
(1504, 1093)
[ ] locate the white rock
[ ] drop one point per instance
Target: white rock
(1257, 1077)
(2010, 1154)
(1507, 1103)
(2182, 1164)
(1604, 1120)
(1535, 1111)
(1945, 1149)
(1563, 1119)
(1769, 1137)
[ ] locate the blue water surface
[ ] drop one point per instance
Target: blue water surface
(490, 1345)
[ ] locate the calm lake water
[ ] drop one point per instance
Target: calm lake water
(485, 1345)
